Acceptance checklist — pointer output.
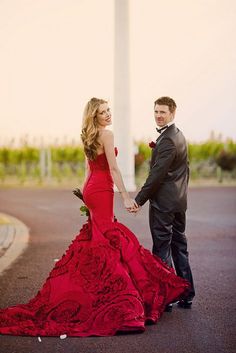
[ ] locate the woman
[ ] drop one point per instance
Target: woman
(106, 281)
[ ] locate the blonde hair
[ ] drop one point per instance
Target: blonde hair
(90, 132)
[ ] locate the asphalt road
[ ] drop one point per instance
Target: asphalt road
(53, 218)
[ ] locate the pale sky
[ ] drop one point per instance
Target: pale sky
(57, 54)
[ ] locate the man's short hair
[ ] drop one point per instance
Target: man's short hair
(166, 101)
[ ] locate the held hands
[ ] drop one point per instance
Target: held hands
(131, 205)
(135, 209)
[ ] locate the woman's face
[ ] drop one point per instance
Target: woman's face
(103, 115)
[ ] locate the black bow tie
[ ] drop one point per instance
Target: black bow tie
(161, 129)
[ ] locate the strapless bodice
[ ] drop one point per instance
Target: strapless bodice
(100, 163)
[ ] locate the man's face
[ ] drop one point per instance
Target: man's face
(162, 114)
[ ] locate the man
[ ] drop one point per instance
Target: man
(166, 189)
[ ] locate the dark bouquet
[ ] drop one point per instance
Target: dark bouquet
(83, 209)
(77, 192)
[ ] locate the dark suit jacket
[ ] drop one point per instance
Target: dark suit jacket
(167, 182)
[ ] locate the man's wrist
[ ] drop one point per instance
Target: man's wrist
(137, 201)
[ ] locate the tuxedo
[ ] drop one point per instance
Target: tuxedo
(166, 189)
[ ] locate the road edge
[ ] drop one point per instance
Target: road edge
(15, 241)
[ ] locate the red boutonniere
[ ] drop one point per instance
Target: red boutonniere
(152, 144)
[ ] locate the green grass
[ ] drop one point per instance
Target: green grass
(212, 161)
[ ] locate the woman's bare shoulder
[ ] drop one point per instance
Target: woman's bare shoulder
(105, 134)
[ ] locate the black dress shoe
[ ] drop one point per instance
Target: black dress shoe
(185, 304)
(168, 308)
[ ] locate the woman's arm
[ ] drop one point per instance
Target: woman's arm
(107, 140)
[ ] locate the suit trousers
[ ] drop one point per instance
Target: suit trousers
(170, 242)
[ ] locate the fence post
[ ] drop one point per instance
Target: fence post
(49, 164)
(42, 163)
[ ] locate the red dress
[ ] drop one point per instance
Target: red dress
(105, 282)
